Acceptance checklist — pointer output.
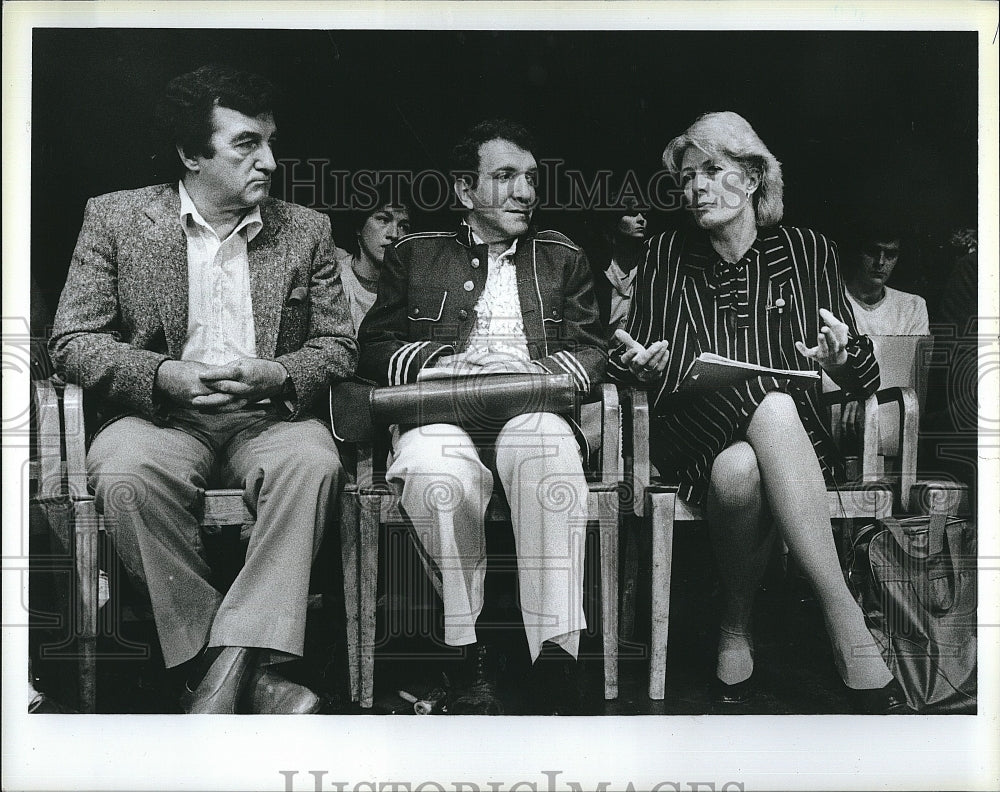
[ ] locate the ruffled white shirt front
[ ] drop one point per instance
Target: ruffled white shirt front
(499, 325)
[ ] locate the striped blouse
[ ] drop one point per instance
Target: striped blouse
(754, 310)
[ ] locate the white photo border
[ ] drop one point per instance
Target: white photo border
(676, 752)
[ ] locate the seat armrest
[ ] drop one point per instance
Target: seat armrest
(48, 441)
(909, 429)
(909, 423)
(611, 436)
(635, 450)
(75, 434)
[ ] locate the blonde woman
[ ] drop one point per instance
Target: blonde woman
(755, 455)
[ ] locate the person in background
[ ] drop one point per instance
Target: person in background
(374, 231)
(742, 286)
(878, 308)
(620, 245)
(205, 320)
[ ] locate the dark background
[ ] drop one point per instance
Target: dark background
(860, 121)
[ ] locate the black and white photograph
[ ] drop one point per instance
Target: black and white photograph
(619, 376)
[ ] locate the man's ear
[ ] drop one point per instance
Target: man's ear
(190, 163)
(463, 188)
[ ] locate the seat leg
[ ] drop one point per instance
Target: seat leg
(85, 531)
(608, 521)
(369, 512)
(349, 532)
(628, 576)
(662, 525)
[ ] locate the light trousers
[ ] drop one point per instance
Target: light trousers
(150, 482)
(444, 490)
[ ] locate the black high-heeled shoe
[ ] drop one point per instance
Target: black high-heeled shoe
(888, 700)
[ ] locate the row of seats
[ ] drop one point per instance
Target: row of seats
(623, 495)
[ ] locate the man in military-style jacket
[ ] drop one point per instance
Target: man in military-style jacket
(494, 296)
(430, 287)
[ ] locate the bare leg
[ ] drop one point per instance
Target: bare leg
(742, 542)
(795, 490)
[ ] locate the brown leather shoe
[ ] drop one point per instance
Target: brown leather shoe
(269, 693)
(220, 688)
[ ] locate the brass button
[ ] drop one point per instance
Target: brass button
(463, 314)
(468, 285)
(416, 311)
(475, 263)
(555, 312)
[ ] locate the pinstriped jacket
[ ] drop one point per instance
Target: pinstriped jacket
(428, 291)
(788, 275)
(124, 309)
(794, 265)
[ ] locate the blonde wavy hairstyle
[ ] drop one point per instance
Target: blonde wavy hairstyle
(727, 133)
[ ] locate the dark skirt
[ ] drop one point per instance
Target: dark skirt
(690, 429)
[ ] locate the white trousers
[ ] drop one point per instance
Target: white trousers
(444, 490)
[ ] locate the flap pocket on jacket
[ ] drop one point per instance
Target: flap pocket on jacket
(419, 313)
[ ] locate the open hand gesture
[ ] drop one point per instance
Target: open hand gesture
(831, 343)
(645, 364)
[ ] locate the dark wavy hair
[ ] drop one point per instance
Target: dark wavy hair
(184, 113)
(862, 233)
(386, 195)
(465, 155)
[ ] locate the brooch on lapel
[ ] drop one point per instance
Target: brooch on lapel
(773, 304)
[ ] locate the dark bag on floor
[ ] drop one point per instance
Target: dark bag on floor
(915, 580)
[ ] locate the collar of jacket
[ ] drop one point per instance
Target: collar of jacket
(465, 238)
(166, 207)
(167, 246)
(701, 257)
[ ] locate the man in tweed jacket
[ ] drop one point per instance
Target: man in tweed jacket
(495, 296)
(204, 320)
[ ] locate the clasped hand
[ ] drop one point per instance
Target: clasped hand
(645, 364)
(219, 389)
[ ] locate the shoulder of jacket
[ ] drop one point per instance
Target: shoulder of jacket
(294, 212)
(667, 238)
(423, 240)
(138, 197)
(550, 237)
(409, 239)
(798, 233)
(660, 245)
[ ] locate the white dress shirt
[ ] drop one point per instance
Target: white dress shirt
(220, 310)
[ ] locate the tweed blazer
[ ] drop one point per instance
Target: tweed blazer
(124, 308)
(429, 288)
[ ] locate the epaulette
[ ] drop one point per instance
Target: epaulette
(556, 238)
